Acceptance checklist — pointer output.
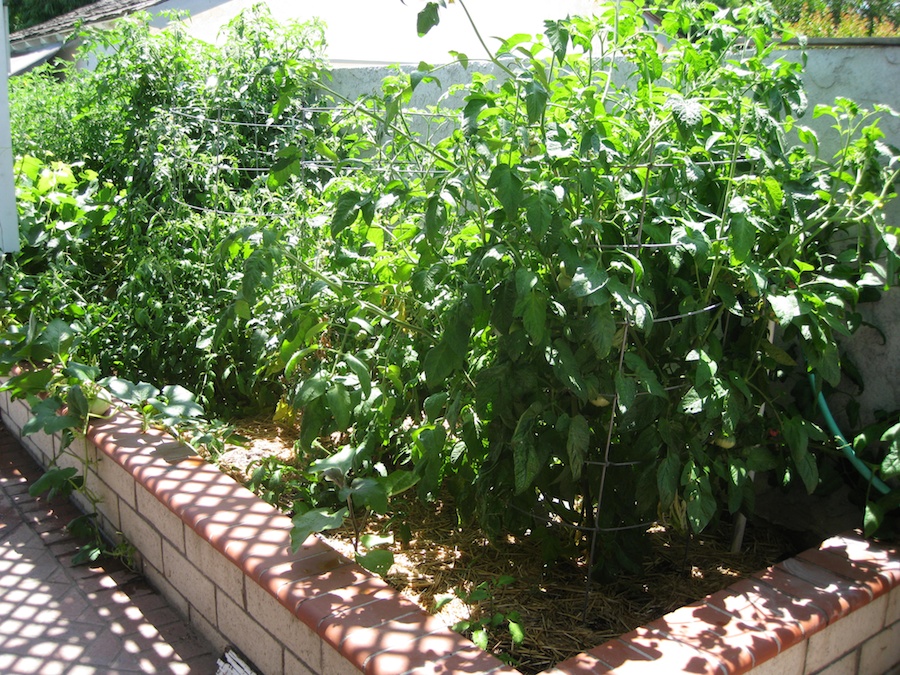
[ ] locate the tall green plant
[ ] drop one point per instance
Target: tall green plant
(583, 286)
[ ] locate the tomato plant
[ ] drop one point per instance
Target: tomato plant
(576, 311)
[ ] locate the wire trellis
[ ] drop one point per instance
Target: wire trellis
(229, 150)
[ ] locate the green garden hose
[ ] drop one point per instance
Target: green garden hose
(846, 448)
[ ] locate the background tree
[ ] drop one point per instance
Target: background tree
(840, 18)
(26, 13)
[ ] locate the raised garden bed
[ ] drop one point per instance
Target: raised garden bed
(223, 557)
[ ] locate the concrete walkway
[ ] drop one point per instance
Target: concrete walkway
(55, 618)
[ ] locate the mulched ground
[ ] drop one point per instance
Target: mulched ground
(560, 613)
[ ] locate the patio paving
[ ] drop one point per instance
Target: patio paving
(56, 618)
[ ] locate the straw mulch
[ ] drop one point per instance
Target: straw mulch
(561, 616)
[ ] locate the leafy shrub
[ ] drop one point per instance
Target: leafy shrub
(561, 314)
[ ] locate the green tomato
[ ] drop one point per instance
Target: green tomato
(100, 403)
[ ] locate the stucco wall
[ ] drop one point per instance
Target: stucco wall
(868, 75)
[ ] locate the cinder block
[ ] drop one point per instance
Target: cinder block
(190, 582)
(789, 662)
(829, 645)
(142, 536)
(335, 664)
(227, 577)
(118, 479)
(294, 666)
(846, 665)
(158, 580)
(108, 507)
(42, 446)
(19, 414)
(73, 456)
(284, 625)
(893, 610)
(249, 637)
(881, 652)
(4, 399)
(167, 523)
(207, 630)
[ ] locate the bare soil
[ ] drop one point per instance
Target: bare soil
(561, 613)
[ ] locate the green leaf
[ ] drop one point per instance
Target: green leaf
(667, 479)
(645, 375)
(473, 109)
(378, 561)
(285, 166)
(343, 460)
(778, 355)
(587, 280)
(337, 398)
(58, 337)
(450, 353)
(577, 443)
(566, 368)
(633, 305)
(701, 503)
(507, 187)
(81, 372)
(526, 464)
(534, 316)
(786, 307)
(626, 390)
(56, 482)
(428, 18)
(535, 101)
(31, 382)
(434, 405)
(601, 331)
(558, 36)
(179, 402)
(315, 520)
(368, 492)
(88, 553)
(743, 237)
(797, 437)
(399, 481)
(310, 390)
(890, 465)
(440, 362)
(346, 211)
(435, 221)
(480, 638)
(136, 394)
(873, 518)
(516, 632)
(361, 370)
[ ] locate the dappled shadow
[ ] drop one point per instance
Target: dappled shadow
(55, 615)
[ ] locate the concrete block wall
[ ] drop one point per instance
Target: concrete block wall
(222, 557)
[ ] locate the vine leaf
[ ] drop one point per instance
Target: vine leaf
(588, 280)
(890, 465)
(315, 520)
(701, 502)
(526, 465)
(667, 479)
(797, 437)
(361, 370)
(507, 188)
(346, 211)
(378, 561)
(577, 444)
(428, 17)
(535, 101)
(558, 36)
